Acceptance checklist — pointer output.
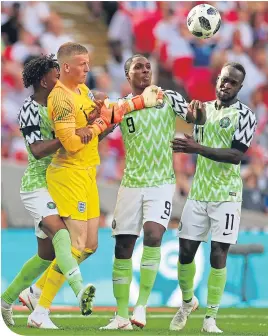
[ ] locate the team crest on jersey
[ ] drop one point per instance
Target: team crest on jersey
(51, 205)
(81, 206)
(225, 122)
(90, 95)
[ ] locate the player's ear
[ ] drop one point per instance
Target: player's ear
(66, 67)
(43, 83)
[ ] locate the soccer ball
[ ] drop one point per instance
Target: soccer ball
(203, 21)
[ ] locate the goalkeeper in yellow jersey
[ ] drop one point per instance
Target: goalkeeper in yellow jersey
(71, 176)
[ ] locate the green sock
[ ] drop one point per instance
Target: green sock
(29, 272)
(65, 260)
(149, 267)
(122, 276)
(216, 284)
(186, 273)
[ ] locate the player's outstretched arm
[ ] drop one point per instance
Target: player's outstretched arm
(114, 113)
(190, 146)
(226, 155)
(194, 112)
(151, 96)
(43, 148)
(240, 142)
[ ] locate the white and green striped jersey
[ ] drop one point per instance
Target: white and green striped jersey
(231, 127)
(147, 135)
(35, 126)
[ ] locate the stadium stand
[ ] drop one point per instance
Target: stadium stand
(158, 30)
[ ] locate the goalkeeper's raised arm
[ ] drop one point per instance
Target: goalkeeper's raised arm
(114, 113)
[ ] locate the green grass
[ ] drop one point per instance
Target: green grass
(233, 322)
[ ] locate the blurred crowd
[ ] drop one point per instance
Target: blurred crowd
(28, 29)
(180, 62)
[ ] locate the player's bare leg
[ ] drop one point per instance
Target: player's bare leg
(153, 234)
(79, 234)
(92, 235)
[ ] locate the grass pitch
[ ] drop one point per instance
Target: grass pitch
(246, 321)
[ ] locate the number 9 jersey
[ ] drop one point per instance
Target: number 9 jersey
(147, 135)
(148, 184)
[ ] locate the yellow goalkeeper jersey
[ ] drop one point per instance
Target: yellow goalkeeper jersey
(68, 111)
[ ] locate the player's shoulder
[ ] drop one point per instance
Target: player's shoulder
(247, 117)
(29, 106)
(29, 112)
(173, 93)
(60, 91)
(244, 110)
(174, 99)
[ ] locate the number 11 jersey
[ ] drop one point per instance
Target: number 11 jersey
(230, 127)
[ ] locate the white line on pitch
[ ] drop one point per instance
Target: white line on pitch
(153, 316)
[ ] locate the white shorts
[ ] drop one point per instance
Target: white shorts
(222, 218)
(135, 206)
(40, 205)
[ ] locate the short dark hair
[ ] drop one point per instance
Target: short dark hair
(129, 62)
(37, 68)
(70, 49)
(237, 66)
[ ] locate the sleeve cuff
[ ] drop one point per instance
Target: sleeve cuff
(240, 146)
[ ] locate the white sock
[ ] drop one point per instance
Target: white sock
(40, 309)
(124, 319)
(37, 291)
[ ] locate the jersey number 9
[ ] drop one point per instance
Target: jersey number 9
(130, 124)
